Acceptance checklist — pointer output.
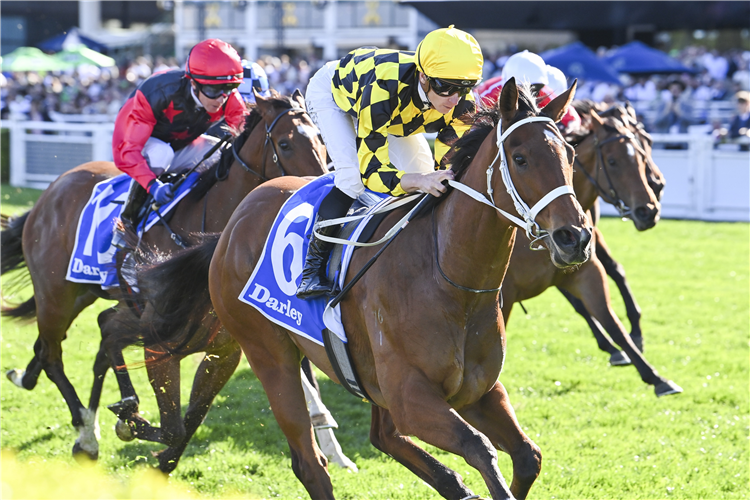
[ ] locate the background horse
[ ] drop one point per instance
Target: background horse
(43, 239)
(656, 181)
(608, 152)
(427, 352)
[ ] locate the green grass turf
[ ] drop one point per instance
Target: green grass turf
(602, 432)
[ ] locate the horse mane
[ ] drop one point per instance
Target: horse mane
(221, 169)
(485, 119)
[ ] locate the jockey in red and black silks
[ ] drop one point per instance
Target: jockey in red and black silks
(161, 125)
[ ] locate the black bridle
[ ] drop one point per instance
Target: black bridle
(610, 195)
(269, 140)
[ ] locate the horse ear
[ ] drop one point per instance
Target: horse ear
(631, 111)
(557, 108)
(509, 100)
(297, 96)
(596, 120)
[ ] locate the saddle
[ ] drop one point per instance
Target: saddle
(336, 349)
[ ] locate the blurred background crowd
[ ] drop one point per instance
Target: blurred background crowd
(91, 93)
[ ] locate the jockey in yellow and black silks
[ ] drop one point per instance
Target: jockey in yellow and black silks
(372, 107)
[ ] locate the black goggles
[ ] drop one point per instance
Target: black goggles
(446, 88)
(216, 91)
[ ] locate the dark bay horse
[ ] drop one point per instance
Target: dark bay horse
(428, 352)
(608, 152)
(42, 240)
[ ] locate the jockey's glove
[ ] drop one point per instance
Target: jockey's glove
(162, 193)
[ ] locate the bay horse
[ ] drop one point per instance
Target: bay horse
(43, 238)
(610, 152)
(656, 181)
(428, 352)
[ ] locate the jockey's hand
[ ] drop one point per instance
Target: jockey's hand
(162, 193)
(431, 182)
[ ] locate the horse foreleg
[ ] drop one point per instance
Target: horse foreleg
(591, 286)
(385, 437)
(110, 323)
(212, 375)
(615, 271)
(616, 357)
(323, 423)
(494, 416)
(417, 409)
(101, 363)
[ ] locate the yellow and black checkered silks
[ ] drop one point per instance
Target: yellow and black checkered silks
(379, 88)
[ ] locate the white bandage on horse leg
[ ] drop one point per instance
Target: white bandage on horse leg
(89, 436)
(332, 449)
(16, 376)
(319, 415)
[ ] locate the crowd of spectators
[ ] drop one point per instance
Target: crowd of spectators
(94, 91)
(100, 92)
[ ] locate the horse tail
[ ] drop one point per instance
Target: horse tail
(177, 288)
(11, 259)
(12, 243)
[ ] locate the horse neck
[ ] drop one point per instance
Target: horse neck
(226, 195)
(474, 240)
(586, 192)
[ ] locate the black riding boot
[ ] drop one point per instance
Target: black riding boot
(314, 279)
(125, 235)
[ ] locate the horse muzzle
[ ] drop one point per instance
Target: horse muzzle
(646, 216)
(570, 246)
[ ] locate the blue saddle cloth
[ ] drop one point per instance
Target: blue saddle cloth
(273, 284)
(93, 257)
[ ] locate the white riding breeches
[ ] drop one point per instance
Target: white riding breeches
(409, 154)
(161, 157)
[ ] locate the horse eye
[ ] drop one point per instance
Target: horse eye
(612, 162)
(520, 160)
(284, 145)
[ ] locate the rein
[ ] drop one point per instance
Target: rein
(533, 231)
(268, 140)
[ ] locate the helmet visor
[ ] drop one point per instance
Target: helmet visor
(216, 91)
(446, 88)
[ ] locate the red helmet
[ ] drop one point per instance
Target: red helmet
(214, 62)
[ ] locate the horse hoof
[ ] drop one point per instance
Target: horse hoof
(16, 376)
(124, 408)
(124, 431)
(666, 388)
(166, 465)
(344, 462)
(82, 455)
(619, 359)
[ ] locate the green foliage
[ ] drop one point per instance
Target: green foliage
(602, 432)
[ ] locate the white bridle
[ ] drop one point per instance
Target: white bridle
(533, 231)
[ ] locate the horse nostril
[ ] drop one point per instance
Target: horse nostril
(645, 214)
(564, 238)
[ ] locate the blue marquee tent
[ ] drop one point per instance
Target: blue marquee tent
(578, 61)
(70, 38)
(637, 57)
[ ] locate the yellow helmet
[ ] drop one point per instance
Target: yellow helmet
(451, 54)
